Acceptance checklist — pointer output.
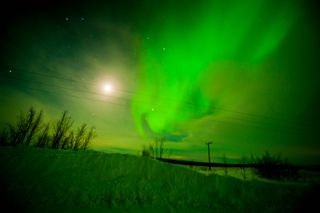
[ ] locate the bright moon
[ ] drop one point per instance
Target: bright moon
(107, 88)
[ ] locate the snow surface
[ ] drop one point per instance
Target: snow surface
(44, 180)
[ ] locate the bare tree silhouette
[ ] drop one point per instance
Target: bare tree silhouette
(160, 141)
(61, 128)
(44, 138)
(34, 128)
(68, 141)
(89, 136)
(155, 150)
(28, 124)
(79, 138)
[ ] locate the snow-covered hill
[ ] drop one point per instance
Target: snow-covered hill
(35, 179)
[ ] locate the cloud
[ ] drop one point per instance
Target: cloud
(175, 138)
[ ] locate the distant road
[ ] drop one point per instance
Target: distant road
(247, 165)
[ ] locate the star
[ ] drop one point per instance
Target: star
(67, 19)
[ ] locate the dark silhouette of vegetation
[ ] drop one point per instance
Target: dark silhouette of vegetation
(148, 151)
(29, 126)
(159, 146)
(88, 138)
(44, 138)
(155, 150)
(243, 167)
(68, 141)
(60, 129)
(274, 167)
(224, 159)
(79, 138)
(34, 128)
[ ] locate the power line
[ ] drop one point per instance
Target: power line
(163, 98)
(90, 92)
(127, 99)
(188, 104)
(93, 83)
(232, 118)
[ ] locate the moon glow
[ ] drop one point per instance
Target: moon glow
(107, 88)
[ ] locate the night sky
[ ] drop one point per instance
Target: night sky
(242, 74)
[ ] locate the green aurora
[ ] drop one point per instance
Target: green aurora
(183, 52)
(242, 74)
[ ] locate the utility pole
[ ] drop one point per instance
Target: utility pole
(209, 153)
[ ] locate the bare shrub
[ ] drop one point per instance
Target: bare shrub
(155, 150)
(44, 138)
(67, 142)
(79, 138)
(34, 128)
(28, 124)
(71, 140)
(148, 151)
(88, 138)
(274, 167)
(160, 143)
(60, 129)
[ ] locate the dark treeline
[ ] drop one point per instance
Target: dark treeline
(30, 130)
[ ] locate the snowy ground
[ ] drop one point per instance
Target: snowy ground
(38, 180)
